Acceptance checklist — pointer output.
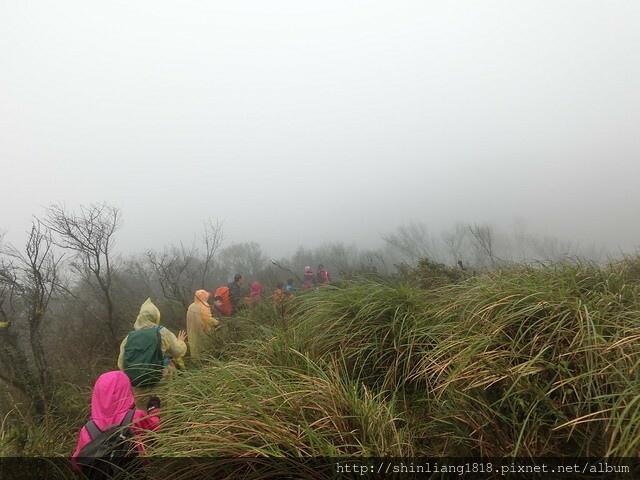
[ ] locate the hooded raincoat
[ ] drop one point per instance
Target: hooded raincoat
(256, 291)
(149, 317)
(112, 398)
(199, 321)
(309, 278)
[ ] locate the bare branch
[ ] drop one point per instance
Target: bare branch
(413, 241)
(212, 239)
(90, 233)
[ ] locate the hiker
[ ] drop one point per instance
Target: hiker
(308, 279)
(145, 333)
(225, 307)
(256, 292)
(111, 401)
(234, 293)
(216, 308)
(322, 277)
(278, 294)
(290, 290)
(199, 321)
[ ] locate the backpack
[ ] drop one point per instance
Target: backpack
(226, 308)
(143, 358)
(109, 451)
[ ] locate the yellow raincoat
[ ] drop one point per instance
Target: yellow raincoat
(199, 321)
(148, 317)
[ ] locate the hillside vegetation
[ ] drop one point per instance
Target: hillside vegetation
(527, 361)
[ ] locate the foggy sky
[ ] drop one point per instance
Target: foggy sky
(299, 123)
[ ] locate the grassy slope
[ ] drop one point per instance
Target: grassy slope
(527, 361)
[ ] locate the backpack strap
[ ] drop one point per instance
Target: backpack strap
(128, 418)
(158, 328)
(93, 430)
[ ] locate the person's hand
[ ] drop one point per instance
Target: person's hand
(182, 335)
(153, 403)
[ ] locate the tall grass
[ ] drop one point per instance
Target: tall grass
(532, 360)
(376, 330)
(527, 361)
(53, 435)
(243, 410)
(537, 363)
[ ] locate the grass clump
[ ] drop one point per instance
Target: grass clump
(376, 330)
(536, 363)
(243, 409)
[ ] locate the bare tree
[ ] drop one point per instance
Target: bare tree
(90, 234)
(553, 249)
(246, 258)
(212, 238)
(413, 241)
(176, 269)
(457, 242)
(136, 275)
(27, 282)
(182, 270)
(482, 239)
(372, 261)
(340, 257)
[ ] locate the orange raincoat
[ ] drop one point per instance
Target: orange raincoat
(199, 321)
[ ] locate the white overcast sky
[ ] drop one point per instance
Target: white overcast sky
(299, 123)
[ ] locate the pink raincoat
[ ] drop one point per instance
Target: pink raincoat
(256, 290)
(112, 398)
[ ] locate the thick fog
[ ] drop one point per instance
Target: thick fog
(300, 123)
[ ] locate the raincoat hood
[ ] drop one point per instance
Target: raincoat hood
(256, 289)
(201, 297)
(112, 396)
(149, 315)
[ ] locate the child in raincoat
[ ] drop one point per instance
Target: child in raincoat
(111, 400)
(199, 321)
(173, 348)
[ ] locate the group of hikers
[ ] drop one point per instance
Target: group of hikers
(149, 352)
(319, 279)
